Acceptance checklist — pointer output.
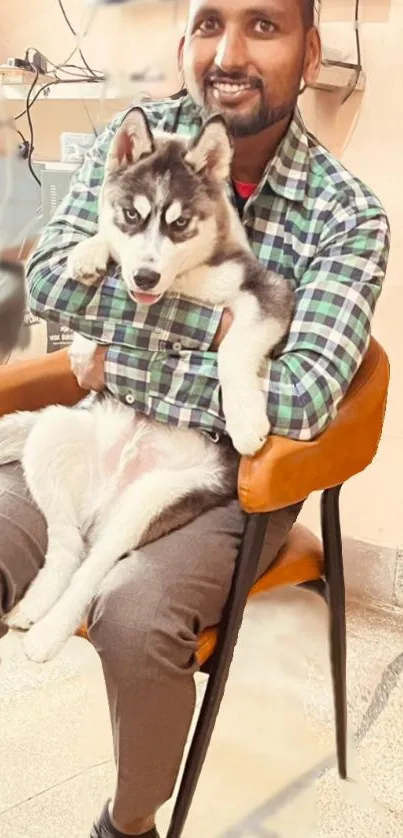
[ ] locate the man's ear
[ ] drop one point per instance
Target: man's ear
(180, 54)
(212, 149)
(132, 140)
(313, 56)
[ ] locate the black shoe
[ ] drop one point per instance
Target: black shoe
(104, 828)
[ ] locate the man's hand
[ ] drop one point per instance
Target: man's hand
(225, 324)
(89, 369)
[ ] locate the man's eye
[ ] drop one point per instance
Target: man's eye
(181, 223)
(263, 26)
(208, 26)
(131, 216)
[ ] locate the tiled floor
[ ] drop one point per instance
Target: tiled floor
(272, 753)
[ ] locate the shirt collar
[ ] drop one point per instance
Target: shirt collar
(287, 173)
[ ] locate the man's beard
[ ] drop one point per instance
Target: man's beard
(247, 124)
(253, 123)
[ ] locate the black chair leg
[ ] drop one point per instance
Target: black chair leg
(244, 576)
(335, 595)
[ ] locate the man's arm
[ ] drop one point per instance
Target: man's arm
(328, 339)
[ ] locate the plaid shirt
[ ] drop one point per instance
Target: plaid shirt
(309, 220)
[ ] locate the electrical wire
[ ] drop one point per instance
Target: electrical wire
(27, 112)
(47, 84)
(64, 66)
(31, 129)
(92, 72)
(30, 102)
(20, 134)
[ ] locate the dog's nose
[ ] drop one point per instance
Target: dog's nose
(146, 279)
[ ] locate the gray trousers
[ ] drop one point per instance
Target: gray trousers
(144, 626)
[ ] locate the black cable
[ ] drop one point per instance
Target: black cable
(63, 67)
(21, 135)
(82, 75)
(358, 51)
(31, 129)
(27, 111)
(85, 79)
(94, 73)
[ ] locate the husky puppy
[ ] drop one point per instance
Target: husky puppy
(106, 479)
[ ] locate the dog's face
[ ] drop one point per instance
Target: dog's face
(159, 202)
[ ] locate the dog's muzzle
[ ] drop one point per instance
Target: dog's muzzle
(146, 279)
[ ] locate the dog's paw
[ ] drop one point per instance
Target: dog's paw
(31, 609)
(88, 261)
(81, 353)
(248, 426)
(43, 641)
(20, 617)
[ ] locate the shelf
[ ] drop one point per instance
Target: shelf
(14, 76)
(15, 84)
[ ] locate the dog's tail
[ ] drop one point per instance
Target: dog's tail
(14, 432)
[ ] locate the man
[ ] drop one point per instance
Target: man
(307, 218)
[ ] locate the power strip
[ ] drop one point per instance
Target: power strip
(37, 64)
(20, 64)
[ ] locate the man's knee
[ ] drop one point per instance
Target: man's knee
(23, 537)
(148, 632)
(154, 603)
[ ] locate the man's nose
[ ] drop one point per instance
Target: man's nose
(232, 52)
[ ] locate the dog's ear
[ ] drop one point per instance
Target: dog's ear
(212, 150)
(132, 140)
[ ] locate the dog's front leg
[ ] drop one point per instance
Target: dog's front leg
(249, 340)
(81, 352)
(125, 528)
(88, 260)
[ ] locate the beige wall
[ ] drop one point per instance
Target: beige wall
(366, 133)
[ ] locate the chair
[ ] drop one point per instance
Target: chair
(283, 473)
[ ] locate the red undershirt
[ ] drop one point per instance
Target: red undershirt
(244, 190)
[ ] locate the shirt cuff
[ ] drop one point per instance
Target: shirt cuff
(130, 389)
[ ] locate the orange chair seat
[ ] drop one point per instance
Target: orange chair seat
(300, 560)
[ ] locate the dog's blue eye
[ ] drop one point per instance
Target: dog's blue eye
(131, 215)
(181, 222)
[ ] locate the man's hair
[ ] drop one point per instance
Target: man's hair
(308, 12)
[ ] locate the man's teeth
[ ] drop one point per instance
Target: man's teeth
(230, 87)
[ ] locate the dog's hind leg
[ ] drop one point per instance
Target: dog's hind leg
(57, 465)
(127, 522)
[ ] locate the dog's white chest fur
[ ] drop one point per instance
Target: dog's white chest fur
(209, 284)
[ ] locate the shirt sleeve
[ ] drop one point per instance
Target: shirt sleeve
(329, 336)
(331, 328)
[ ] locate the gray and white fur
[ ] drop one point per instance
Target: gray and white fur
(106, 479)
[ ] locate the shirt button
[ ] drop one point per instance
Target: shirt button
(177, 346)
(129, 398)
